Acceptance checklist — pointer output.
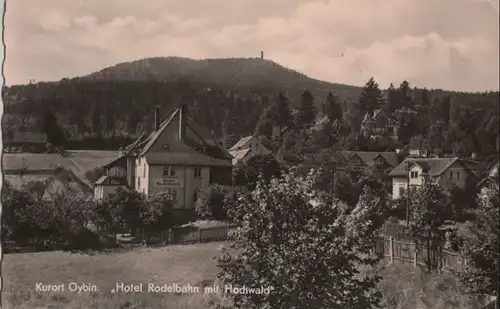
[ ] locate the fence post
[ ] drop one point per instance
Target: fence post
(226, 232)
(440, 258)
(415, 255)
(199, 235)
(171, 236)
(391, 248)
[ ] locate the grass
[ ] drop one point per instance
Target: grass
(402, 287)
(405, 287)
(182, 265)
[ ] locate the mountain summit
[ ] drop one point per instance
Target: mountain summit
(255, 73)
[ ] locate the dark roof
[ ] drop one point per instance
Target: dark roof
(241, 143)
(491, 175)
(210, 147)
(29, 137)
(431, 166)
(112, 181)
(173, 158)
(368, 157)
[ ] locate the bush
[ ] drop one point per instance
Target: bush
(156, 214)
(56, 220)
(212, 202)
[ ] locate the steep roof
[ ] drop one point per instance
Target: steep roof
(62, 181)
(182, 158)
(112, 180)
(368, 157)
(491, 174)
(239, 154)
(431, 166)
(241, 142)
(209, 148)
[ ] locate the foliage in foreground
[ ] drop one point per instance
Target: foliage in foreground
(482, 275)
(307, 246)
(70, 220)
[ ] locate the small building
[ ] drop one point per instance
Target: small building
(178, 156)
(412, 171)
(246, 148)
(379, 126)
(490, 179)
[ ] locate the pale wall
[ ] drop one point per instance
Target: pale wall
(396, 183)
(102, 191)
(445, 179)
(185, 176)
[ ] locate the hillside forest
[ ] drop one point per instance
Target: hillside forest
(235, 98)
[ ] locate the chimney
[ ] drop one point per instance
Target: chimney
(261, 54)
(182, 121)
(157, 118)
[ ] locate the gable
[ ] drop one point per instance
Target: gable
(168, 139)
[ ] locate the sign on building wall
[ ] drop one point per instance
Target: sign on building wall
(169, 183)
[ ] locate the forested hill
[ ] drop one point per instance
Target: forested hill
(225, 95)
(248, 73)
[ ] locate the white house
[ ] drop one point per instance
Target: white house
(246, 148)
(411, 173)
(178, 156)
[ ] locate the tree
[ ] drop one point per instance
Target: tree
(125, 207)
(156, 213)
(54, 133)
(265, 166)
(281, 112)
(305, 245)
(371, 97)
(307, 113)
(393, 103)
(429, 216)
(445, 109)
(332, 108)
(404, 95)
(211, 202)
(481, 275)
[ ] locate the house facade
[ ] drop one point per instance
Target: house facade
(490, 181)
(410, 174)
(379, 126)
(246, 148)
(178, 156)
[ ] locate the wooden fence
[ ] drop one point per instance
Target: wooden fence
(183, 235)
(408, 252)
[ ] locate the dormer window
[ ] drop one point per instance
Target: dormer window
(413, 175)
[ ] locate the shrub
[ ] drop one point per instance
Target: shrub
(156, 214)
(211, 202)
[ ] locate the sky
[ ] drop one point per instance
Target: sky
(447, 44)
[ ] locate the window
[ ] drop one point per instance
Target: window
(458, 175)
(401, 190)
(168, 171)
(138, 182)
(451, 175)
(144, 171)
(413, 175)
(197, 172)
